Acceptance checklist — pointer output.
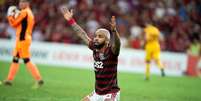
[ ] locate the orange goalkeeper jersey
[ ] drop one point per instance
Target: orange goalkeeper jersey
(24, 24)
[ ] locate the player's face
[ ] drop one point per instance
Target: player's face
(23, 5)
(99, 39)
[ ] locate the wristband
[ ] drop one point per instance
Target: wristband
(71, 21)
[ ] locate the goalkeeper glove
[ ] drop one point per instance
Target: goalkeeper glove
(13, 11)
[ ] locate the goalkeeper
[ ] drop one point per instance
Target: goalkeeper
(23, 22)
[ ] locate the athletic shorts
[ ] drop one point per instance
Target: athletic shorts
(152, 52)
(111, 96)
(22, 49)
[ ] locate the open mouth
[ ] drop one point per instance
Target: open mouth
(96, 43)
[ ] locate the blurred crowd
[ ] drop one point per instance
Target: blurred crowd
(178, 20)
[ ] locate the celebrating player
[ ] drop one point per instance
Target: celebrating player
(105, 53)
(23, 21)
(152, 48)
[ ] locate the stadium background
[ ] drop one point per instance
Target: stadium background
(179, 23)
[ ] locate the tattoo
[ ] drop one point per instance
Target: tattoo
(81, 33)
(115, 41)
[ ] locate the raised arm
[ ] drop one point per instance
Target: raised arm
(16, 21)
(68, 15)
(115, 39)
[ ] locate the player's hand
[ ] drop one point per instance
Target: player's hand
(113, 23)
(68, 14)
(11, 11)
(17, 13)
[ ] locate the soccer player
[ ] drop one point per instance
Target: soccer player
(105, 53)
(198, 67)
(152, 48)
(23, 23)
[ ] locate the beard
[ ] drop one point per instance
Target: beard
(98, 46)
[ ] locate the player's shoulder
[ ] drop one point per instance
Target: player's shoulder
(91, 45)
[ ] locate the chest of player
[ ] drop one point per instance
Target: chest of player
(104, 60)
(102, 55)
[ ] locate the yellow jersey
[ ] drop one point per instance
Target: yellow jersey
(152, 46)
(152, 36)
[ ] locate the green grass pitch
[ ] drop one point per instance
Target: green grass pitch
(67, 84)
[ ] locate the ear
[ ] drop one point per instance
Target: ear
(107, 41)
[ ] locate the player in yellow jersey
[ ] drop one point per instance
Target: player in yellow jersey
(152, 48)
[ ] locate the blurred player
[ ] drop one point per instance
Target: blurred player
(105, 53)
(152, 48)
(198, 67)
(23, 22)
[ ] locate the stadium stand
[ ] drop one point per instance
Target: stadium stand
(178, 20)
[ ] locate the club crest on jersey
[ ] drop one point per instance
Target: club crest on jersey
(102, 56)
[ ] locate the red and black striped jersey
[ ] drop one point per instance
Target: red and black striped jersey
(105, 68)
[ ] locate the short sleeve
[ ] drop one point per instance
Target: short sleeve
(91, 45)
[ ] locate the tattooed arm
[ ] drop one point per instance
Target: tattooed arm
(115, 39)
(81, 33)
(68, 15)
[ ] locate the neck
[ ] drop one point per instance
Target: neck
(103, 48)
